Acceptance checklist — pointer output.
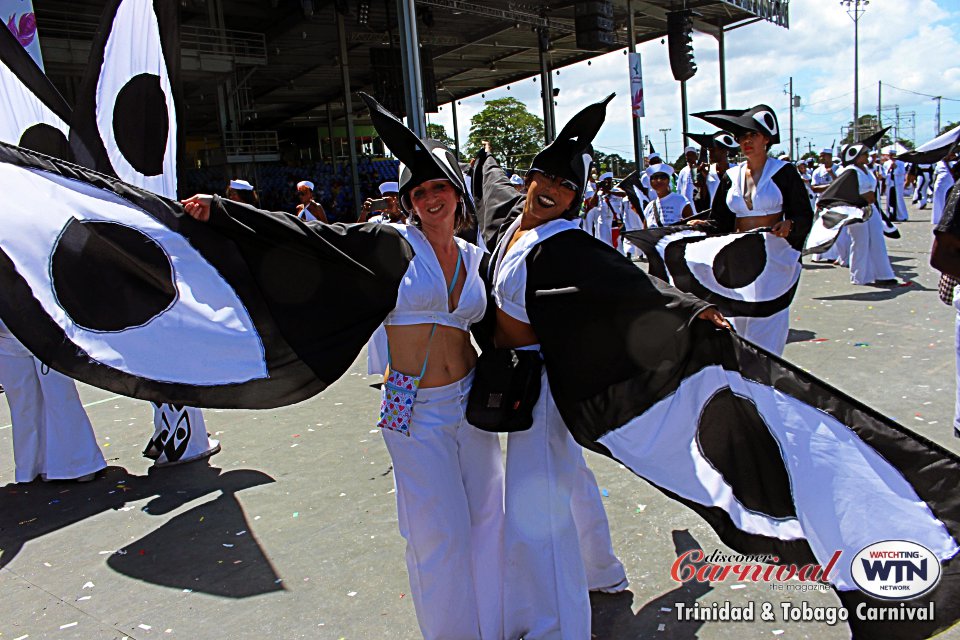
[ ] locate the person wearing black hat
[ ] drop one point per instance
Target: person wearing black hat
(869, 262)
(760, 192)
(719, 146)
(535, 249)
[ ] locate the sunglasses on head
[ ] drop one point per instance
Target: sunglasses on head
(568, 184)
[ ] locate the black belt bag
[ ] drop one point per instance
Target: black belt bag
(506, 387)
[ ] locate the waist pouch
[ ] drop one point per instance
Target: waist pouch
(506, 387)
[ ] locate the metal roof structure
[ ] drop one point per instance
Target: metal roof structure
(265, 65)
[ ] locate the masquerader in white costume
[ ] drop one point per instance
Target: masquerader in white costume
(820, 179)
(944, 178)
(685, 178)
(924, 184)
(608, 209)
(390, 211)
(760, 192)
(869, 263)
(896, 173)
(52, 435)
(667, 208)
(309, 209)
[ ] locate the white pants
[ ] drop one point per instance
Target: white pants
(770, 333)
(920, 194)
(604, 570)
(869, 261)
(940, 191)
(605, 231)
(545, 587)
(179, 433)
(449, 478)
(52, 434)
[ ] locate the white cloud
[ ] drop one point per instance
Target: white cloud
(910, 45)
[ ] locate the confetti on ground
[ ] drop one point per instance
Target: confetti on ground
(83, 598)
(777, 632)
(819, 340)
(604, 493)
(240, 533)
(68, 625)
(296, 514)
(861, 344)
(352, 593)
(88, 585)
(666, 609)
(228, 546)
(22, 637)
(661, 627)
(145, 627)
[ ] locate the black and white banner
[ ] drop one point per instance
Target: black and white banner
(753, 274)
(775, 460)
(33, 114)
(126, 111)
(828, 223)
(115, 287)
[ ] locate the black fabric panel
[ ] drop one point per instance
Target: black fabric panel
(612, 337)
(733, 436)
(47, 140)
(110, 277)
(22, 65)
(796, 204)
(721, 216)
(499, 202)
(141, 123)
(740, 262)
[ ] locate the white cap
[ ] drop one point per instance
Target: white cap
(827, 150)
(305, 183)
(654, 155)
(659, 168)
(687, 150)
(608, 174)
(515, 179)
(389, 187)
(241, 185)
(785, 157)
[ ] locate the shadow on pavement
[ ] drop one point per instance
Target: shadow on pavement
(613, 617)
(189, 552)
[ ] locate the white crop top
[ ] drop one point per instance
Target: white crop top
(766, 201)
(865, 179)
(422, 296)
(510, 270)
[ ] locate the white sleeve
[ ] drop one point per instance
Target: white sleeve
(377, 352)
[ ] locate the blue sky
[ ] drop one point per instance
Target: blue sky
(906, 44)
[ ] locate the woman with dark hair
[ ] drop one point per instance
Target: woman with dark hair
(760, 192)
(243, 192)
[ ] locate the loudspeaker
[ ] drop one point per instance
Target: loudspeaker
(594, 25)
(680, 44)
(386, 69)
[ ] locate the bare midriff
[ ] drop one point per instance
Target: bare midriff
(452, 355)
(755, 222)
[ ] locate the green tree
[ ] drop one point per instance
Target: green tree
(614, 162)
(948, 126)
(868, 125)
(515, 133)
(439, 132)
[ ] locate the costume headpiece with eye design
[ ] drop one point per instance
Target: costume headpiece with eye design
(718, 140)
(851, 151)
(420, 160)
(759, 119)
(935, 150)
(569, 156)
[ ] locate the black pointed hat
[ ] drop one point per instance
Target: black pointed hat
(851, 151)
(845, 190)
(569, 156)
(760, 119)
(653, 152)
(632, 185)
(420, 160)
(718, 140)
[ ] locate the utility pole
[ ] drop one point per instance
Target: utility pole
(855, 9)
(790, 93)
(937, 132)
(879, 104)
(666, 154)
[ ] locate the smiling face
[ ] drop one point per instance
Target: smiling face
(548, 198)
(660, 182)
(435, 203)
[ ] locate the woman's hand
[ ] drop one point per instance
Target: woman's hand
(198, 206)
(715, 317)
(698, 223)
(782, 229)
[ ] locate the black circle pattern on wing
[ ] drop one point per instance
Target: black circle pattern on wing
(109, 277)
(830, 219)
(46, 140)
(141, 123)
(730, 424)
(685, 280)
(741, 261)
